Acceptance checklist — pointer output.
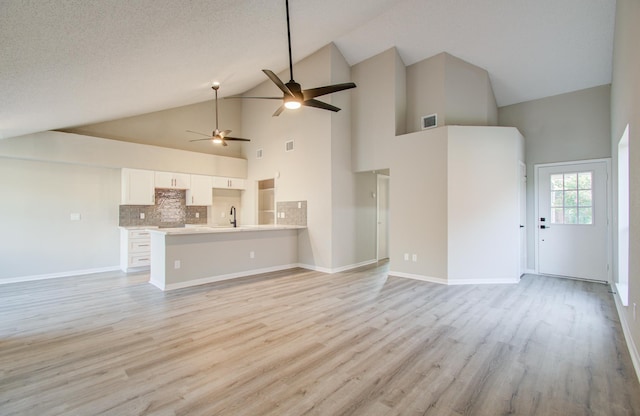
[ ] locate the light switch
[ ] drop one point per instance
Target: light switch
(299, 205)
(177, 264)
(142, 215)
(74, 216)
(406, 256)
(197, 215)
(414, 257)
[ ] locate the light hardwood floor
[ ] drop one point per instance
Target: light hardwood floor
(307, 343)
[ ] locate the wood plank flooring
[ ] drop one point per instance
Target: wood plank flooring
(306, 343)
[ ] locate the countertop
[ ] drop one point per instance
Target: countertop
(204, 229)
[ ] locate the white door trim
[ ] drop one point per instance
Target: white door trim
(536, 168)
(380, 176)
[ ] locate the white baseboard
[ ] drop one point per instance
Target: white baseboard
(419, 277)
(631, 346)
(57, 275)
(337, 269)
(455, 282)
(530, 271)
(219, 278)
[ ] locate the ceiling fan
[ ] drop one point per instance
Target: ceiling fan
(217, 136)
(294, 96)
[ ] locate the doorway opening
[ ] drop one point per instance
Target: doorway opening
(266, 202)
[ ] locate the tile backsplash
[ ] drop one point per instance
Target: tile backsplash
(291, 213)
(170, 210)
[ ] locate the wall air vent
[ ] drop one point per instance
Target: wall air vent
(288, 146)
(259, 154)
(429, 122)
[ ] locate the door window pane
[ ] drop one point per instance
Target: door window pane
(572, 198)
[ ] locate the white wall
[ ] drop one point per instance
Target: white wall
(321, 159)
(38, 236)
(47, 176)
(566, 127)
(483, 214)
(74, 148)
(625, 109)
(343, 181)
(418, 204)
(426, 91)
(167, 128)
(374, 110)
(459, 92)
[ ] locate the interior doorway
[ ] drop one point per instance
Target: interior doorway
(266, 202)
(382, 217)
(573, 215)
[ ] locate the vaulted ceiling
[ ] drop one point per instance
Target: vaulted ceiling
(66, 63)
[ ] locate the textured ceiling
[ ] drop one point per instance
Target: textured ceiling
(65, 63)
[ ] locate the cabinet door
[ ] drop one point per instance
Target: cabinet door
(137, 187)
(235, 183)
(171, 180)
(181, 181)
(200, 191)
(220, 182)
(228, 183)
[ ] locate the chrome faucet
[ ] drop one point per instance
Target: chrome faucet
(234, 222)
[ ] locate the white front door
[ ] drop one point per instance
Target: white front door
(572, 220)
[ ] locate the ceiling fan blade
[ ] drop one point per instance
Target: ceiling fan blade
(320, 104)
(224, 133)
(273, 77)
(199, 140)
(224, 143)
(197, 132)
(240, 139)
(329, 89)
(278, 111)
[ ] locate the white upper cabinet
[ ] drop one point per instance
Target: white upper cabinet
(228, 183)
(171, 180)
(200, 192)
(138, 187)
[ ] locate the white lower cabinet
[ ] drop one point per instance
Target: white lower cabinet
(135, 249)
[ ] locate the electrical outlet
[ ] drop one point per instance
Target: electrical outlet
(252, 254)
(299, 205)
(74, 216)
(222, 214)
(142, 215)
(177, 264)
(406, 256)
(414, 257)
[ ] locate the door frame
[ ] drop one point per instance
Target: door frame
(387, 178)
(609, 205)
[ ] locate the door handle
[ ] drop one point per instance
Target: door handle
(522, 226)
(544, 227)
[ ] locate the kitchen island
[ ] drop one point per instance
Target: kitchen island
(182, 257)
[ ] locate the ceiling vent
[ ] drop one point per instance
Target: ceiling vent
(259, 154)
(288, 146)
(429, 122)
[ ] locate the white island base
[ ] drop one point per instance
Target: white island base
(183, 257)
